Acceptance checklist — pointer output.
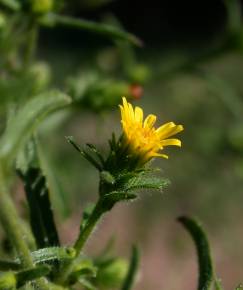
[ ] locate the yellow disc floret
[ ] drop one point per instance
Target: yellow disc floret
(141, 135)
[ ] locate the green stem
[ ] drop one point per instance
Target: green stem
(11, 225)
(13, 228)
(82, 239)
(53, 19)
(31, 44)
(89, 227)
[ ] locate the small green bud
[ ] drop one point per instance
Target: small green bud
(7, 281)
(107, 94)
(41, 6)
(139, 74)
(106, 177)
(112, 275)
(42, 75)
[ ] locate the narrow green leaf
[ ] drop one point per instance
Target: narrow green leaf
(85, 154)
(131, 275)
(97, 153)
(41, 215)
(52, 20)
(11, 4)
(71, 140)
(31, 274)
(113, 142)
(91, 159)
(206, 274)
(51, 254)
(27, 119)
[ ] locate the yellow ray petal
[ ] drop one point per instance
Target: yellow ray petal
(167, 142)
(170, 131)
(149, 121)
(160, 155)
(166, 126)
(138, 115)
(126, 108)
(122, 112)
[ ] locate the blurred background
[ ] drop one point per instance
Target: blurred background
(190, 69)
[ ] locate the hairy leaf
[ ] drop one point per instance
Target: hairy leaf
(131, 275)
(51, 254)
(146, 183)
(41, 215)
(27, 119)
(206, 275)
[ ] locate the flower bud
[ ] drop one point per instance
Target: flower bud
(41, 74)
(139, 74)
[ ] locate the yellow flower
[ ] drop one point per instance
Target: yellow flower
(142, 138)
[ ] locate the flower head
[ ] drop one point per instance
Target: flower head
(141, 137)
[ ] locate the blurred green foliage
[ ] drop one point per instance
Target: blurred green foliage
(200, 86)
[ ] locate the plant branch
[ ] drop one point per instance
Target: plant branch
(84, 234)
(31, 45)
(52, 20)
(13, 228)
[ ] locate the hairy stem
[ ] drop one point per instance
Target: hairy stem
(82, 239)
(11, 225)
(88, 228)
(13, 228)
